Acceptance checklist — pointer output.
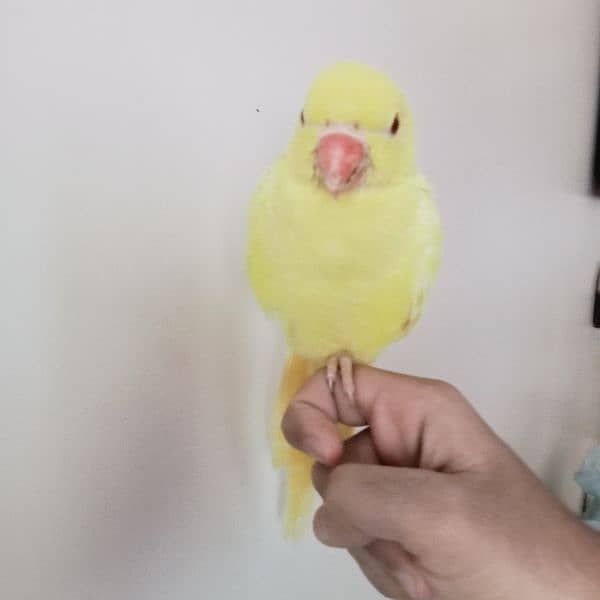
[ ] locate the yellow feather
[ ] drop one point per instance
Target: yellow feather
(296, 465)
(349, 273)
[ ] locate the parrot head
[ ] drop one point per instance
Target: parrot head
(354, 131)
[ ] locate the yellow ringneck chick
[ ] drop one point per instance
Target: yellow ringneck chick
(343, 241)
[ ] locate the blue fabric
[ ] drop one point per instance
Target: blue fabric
(588, 478)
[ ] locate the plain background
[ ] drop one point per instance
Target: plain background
(136, 368)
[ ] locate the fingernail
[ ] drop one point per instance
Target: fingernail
(408, 583)
(313, 448)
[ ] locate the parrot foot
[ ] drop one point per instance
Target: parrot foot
(341, 362)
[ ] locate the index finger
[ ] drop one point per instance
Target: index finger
(414, 422)
(309, 423)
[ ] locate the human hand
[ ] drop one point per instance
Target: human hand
(430, 502)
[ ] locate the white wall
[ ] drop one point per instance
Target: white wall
(136, 367)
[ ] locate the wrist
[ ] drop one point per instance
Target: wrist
(581, 580)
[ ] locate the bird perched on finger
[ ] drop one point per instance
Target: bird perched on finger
(344, 240)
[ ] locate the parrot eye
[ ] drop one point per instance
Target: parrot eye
(395, 125)
(302, 117)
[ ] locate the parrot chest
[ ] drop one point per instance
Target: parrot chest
(344, 274)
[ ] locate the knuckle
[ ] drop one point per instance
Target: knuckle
(442, 391)
(320, 527)
(453, 516)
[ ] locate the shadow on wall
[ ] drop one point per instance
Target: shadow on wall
(154, 429)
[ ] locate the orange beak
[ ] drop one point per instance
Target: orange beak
(341, 161)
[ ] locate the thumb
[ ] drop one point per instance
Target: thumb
(361, 503)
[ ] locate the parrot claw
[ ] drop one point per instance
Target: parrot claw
(342, 363)
(330, 381)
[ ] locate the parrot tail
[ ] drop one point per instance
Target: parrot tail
(297, 466)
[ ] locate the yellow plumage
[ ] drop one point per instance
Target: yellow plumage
(347, 273)
(298, 466)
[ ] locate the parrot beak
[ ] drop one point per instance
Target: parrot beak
(341, 160)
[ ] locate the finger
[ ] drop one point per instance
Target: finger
(389, 503)
(357, 449)
(415, 422)
(333, 530)
(329, 530)
(311, 425)
(377, 575)
(399, 564)
(390, 554)
(309, 422)
(336, 531)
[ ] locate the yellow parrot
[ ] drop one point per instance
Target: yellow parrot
(344, 240)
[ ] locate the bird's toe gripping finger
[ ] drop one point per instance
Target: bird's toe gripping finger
(342, 363)
(347, 376)
(332, 369)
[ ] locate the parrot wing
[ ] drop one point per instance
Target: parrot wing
(259, 260)
(429, 238)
